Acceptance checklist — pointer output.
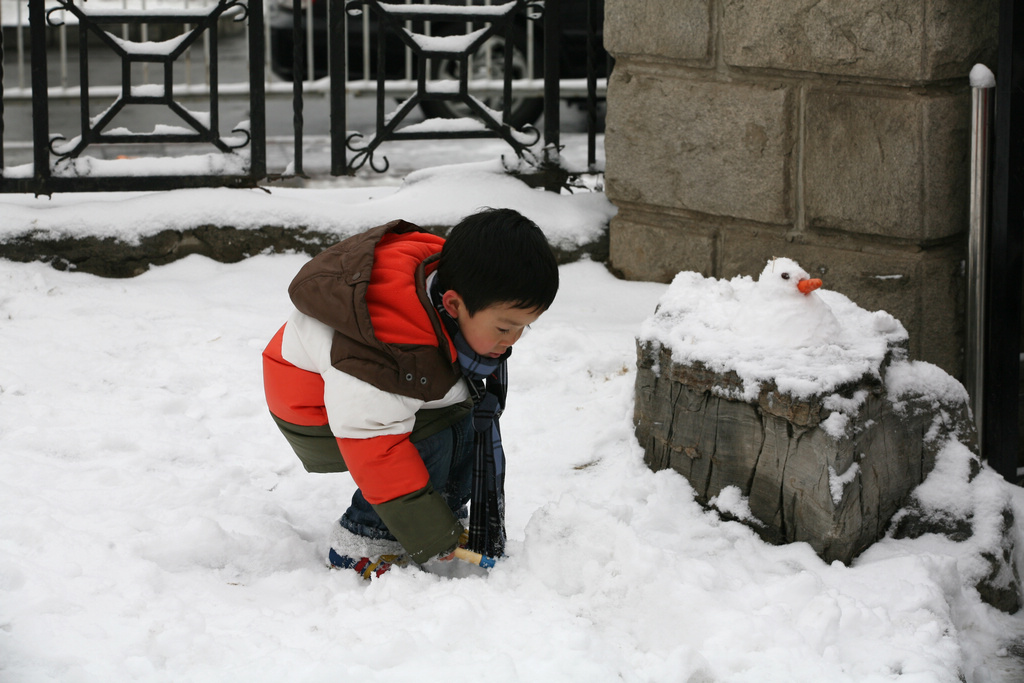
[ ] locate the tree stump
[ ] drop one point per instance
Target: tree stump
(803, 482)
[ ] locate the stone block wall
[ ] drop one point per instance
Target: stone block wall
(835, 133)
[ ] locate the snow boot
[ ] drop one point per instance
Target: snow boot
(368, 568)
(369, 557)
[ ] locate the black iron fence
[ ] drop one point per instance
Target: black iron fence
(475, 69)
(60, 164)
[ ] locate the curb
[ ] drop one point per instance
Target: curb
(110, 257)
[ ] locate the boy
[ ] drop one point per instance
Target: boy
(393, 368)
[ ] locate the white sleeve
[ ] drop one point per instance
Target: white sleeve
(359, 410)
(355, 409)
(307, 342)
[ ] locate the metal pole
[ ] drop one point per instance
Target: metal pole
(591, 87)
(257, 92)
(552, 80)
(337, 59)
(982, 95)
(298, 71)
(1, 94)
(1000, 432)
(40, 91)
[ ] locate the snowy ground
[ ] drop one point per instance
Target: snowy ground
(154, 525)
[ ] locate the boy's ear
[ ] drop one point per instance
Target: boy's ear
(452, 303)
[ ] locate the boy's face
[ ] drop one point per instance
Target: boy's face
(490, 331)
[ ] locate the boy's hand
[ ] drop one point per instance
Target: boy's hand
(467, 555)
(463, 540)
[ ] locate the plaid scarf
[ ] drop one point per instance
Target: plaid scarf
(488, 384)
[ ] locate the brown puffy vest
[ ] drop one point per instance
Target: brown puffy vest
(332, 289)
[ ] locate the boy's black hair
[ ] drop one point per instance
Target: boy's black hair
(498, 256)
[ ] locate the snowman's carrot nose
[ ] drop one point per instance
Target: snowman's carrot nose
(808, 286)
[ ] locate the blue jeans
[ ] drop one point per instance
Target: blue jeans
(448, 456)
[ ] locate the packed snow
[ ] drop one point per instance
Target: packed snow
(982, 77)
(766, 329)
(156, 526)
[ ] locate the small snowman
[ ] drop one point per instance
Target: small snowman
(783, 309)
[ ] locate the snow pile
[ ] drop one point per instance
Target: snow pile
(213, 163)
(434, 197)
(767, 330)
(731, 501)
(965, 516)
(920, 386)
(837, 483)
(982, 77)
(917, 378)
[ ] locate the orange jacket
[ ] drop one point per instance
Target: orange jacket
(364, 352)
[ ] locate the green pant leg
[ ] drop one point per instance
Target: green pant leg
(316, 447)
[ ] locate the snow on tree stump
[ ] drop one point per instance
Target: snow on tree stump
(800, 415)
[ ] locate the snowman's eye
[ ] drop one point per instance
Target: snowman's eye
(785, 276)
